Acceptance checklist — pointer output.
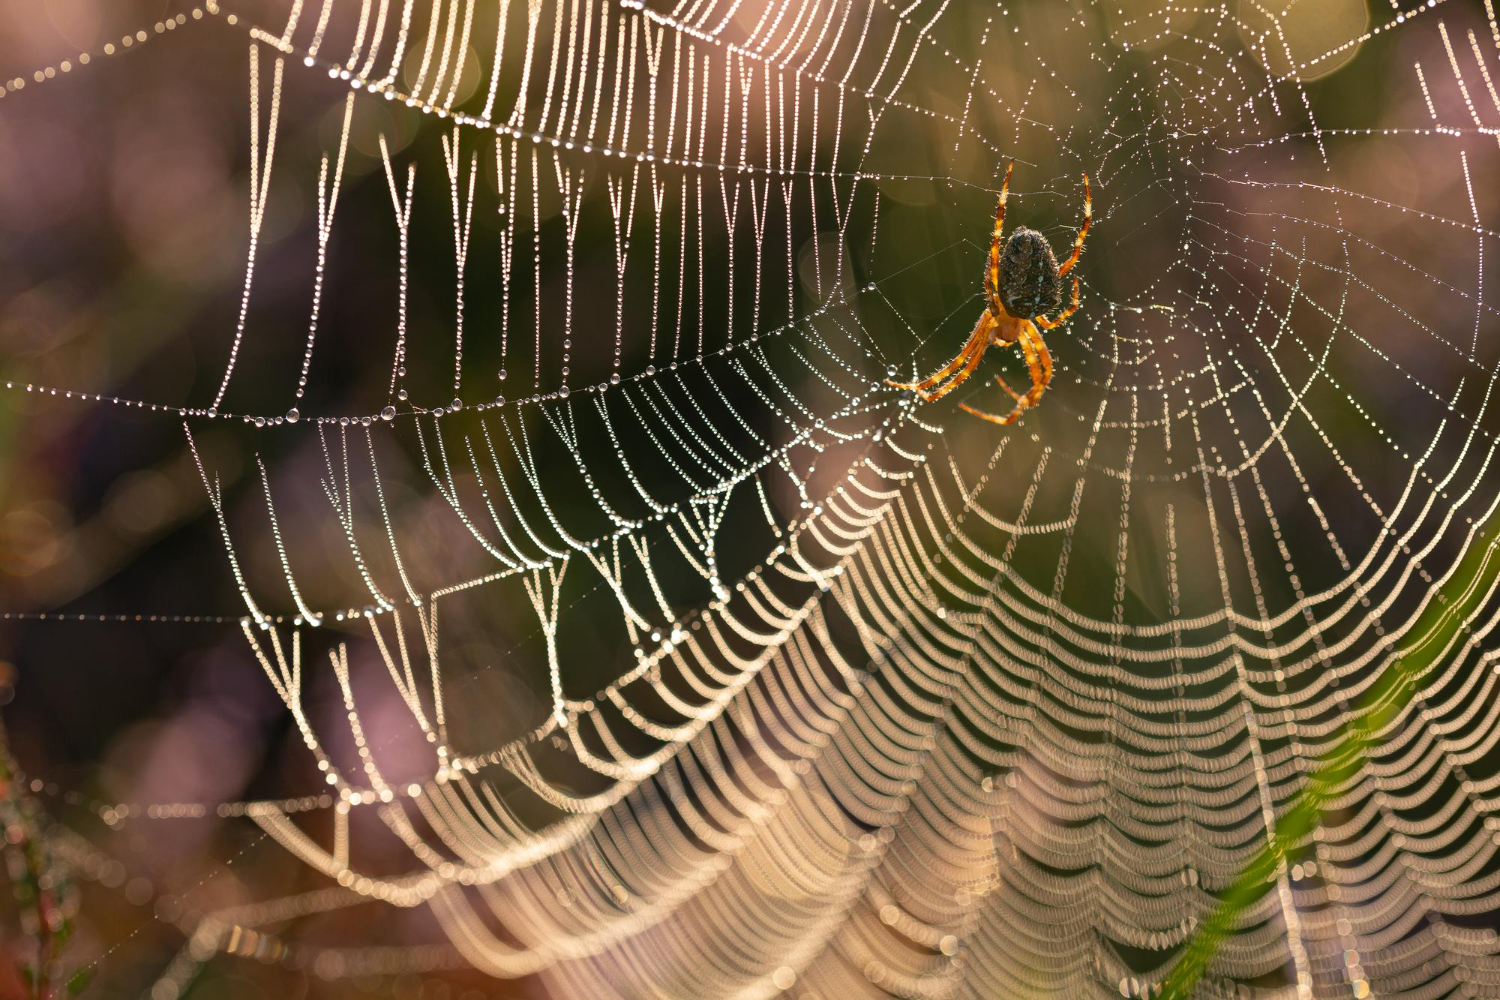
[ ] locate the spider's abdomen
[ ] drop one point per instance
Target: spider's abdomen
(1029, 285)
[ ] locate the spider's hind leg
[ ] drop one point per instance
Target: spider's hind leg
(1088, 218)
(992, 272)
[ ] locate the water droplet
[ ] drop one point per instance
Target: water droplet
(293, 415)
(212, 410)
(401, 394)
(502, 374)
(389, 413)
(614, 379)
(457, 404)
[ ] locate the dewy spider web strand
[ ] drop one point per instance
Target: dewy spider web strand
(1022, 716)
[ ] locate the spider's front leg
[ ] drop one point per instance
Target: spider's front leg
(961, 377)
(967, 360)
(1039, 362)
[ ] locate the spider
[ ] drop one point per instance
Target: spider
(1021, 284)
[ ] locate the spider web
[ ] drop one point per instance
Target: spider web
(629, 636)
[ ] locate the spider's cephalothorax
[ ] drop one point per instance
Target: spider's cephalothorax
(1029, 282)
(1022, 284)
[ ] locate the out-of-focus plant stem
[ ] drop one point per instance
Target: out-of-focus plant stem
(1441, 624)
(34, 879)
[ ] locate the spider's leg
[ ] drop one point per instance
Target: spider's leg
(992, 272)
(959, 360)
(1013, 394)
(996, 340)
(1037, 357)
(978, 340)
(1088, 217)
(1039, 361)
(1062, 317)
(992, 418)
(961, 377)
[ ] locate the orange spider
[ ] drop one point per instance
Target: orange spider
(1021, 285)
